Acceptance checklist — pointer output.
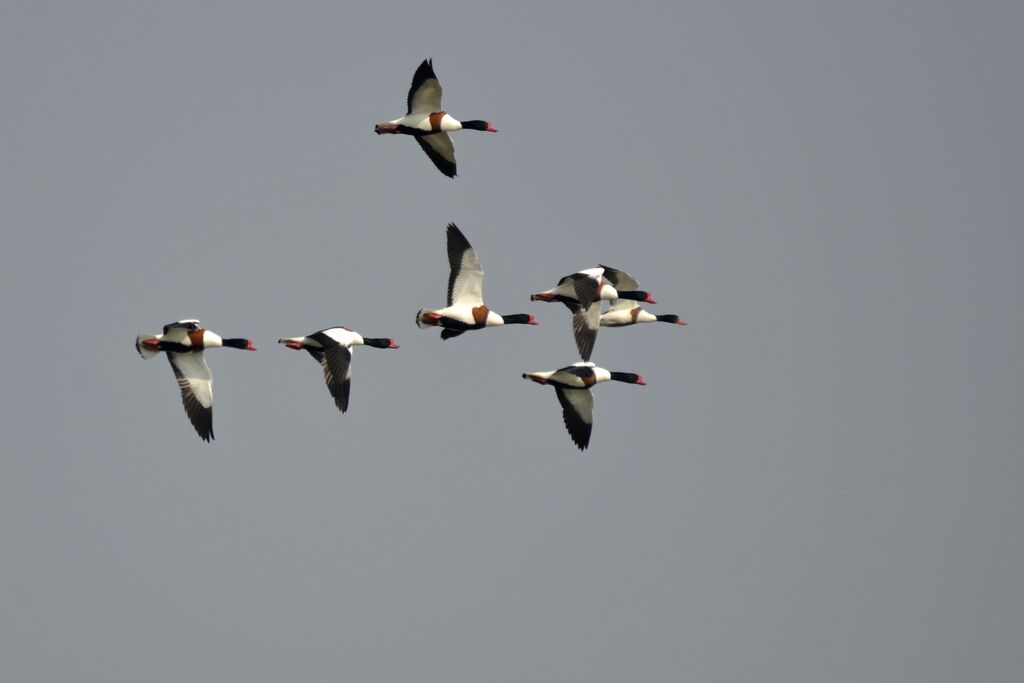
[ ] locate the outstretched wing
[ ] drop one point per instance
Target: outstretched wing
(620, 279)
(585, 323)
(441, 151)
(585, 288)
(337, 364)
(176, 333)
(425, 91)
(577, 413)
(186, 325)
(196, 384)
(466, 279)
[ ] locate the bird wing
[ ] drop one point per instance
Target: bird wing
(196, 384)
(585, 287)
(337, 364)
(425, 91)
(623, 304)
(441, 151)
(186, 325)
(620, 279)
(466, 279)
(577, 413)
(177, 333)
(585, 323)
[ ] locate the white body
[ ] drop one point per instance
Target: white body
(421, 121)
(464, 314)
(177, 335)
(569, 380)
(344, 337)
(566, 288)
(623, 312)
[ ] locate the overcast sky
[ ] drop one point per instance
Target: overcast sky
(821, 481)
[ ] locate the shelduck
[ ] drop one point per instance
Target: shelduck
(582, 292)
(572, 386)
(623, 312)
(465, 310)
(585, 287)
(332, 348)
(184, 342)
(428, 122)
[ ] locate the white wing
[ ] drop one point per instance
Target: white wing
(585, 323)
(466, 276)
(337, 364)
(425, 91)
(196, 384)
(620, 279)
(577, 413)
(441, 151)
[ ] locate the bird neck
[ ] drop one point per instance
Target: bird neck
(637, 295)
(519, 319)
(244, 344)
(478, 125)
(380, 342)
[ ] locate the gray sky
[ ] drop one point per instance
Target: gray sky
(820, 483)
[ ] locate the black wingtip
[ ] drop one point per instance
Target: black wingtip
(424, 71)
(581, 439)
(205, 431)
(457, 240)
(579, 431)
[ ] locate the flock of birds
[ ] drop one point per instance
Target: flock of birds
(582, 292)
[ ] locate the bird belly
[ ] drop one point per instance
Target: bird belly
(416, 124)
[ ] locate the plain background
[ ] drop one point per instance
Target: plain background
(822, 481)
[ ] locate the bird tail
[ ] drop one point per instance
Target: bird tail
(145, 351)
(426, 318)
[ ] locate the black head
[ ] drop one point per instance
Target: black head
(629, 378)
(479, 125)
(380, 342)
(669, 318)
(244, 344)
(519, 319)
(638, 295)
